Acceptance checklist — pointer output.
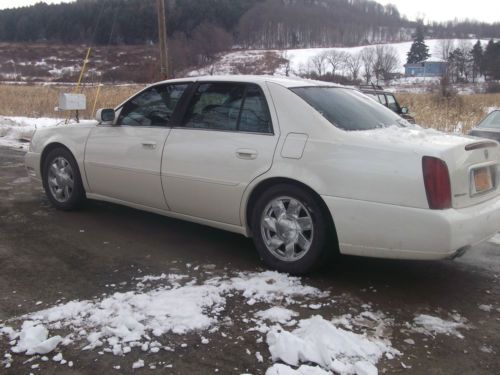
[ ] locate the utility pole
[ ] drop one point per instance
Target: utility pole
(162, 38)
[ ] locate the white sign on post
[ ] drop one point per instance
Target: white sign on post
(72, 102)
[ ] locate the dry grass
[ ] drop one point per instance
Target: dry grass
(40, 101)
(447, 114)
(428, 109)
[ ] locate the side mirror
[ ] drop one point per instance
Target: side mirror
(404, 110)
(105, 115)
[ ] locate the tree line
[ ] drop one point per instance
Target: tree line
(370, 65)
(248, 23)
(199, 29)
(467, 62)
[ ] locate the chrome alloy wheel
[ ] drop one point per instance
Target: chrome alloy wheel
(287, 229)
(61, 179)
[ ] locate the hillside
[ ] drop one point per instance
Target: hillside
(52, 63)
(245, 23)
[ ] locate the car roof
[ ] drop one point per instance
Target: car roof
(283, 81)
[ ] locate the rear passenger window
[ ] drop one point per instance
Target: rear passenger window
(215, 106)
(255, 114)
(228, 106)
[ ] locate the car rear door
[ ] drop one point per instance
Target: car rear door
(224, 141)
(123, 161)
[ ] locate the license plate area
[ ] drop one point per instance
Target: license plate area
(482, 180)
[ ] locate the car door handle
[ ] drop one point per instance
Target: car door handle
(246, 153)
(151, 145)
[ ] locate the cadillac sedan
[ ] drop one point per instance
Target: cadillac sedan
(306, 169)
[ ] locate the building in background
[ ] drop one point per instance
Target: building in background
(432, 67)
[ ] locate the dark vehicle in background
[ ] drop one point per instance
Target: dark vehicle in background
(489, 127)
(388, 99)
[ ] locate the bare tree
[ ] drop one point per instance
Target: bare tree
(208, 40)
(386, 61)
(446, 46)
(284, 56)
(335, 59)
(368, 61)
(353, 64)
(318, 62)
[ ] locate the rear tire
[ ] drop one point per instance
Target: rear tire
(290, 230)
(62, 180)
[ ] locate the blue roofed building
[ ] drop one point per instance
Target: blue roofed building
(432, 67)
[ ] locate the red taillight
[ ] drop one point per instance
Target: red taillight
(437, 183)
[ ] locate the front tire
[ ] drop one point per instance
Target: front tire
(62, 181)
(289, 229)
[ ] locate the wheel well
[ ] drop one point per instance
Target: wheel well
(262, 186)
(47, 150)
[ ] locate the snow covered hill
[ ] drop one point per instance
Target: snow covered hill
(300, 59)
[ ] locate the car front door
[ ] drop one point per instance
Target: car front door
(122, 161)
(225, 140)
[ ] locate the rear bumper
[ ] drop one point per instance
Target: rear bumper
(388, 231)
(32, 163)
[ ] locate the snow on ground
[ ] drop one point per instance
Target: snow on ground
(17, 131)
(495, 239)
(432, 325)
(318, 341)
(146, 317)
(300, 58)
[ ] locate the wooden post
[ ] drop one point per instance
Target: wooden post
(162, 38)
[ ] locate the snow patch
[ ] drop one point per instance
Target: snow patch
(130, 319)
(34, 339)
(280, 369)
(318, 341)
(495, 239)
(432, 325)
(277, 314)
(412, 135)
(18, 131)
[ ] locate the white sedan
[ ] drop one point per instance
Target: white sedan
(304, 168)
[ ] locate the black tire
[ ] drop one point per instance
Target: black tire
(319, 246)
(77, 194)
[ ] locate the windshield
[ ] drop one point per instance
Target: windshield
(491, 121)
(349, 109)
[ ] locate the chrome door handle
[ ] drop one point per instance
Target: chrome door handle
(151, 145)
(246, 153)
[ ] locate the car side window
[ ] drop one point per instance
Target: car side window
(381, 99)
(392, 103)
(491, 121)
(228, 106)
(152, 107)
(215, 106)
(254, 114)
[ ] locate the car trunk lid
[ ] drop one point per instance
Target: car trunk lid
(474, 172)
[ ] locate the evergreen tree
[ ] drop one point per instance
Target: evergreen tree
(419, 50)
(491, 62)
(477, 60)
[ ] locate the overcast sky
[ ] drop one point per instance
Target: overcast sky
(433, 10)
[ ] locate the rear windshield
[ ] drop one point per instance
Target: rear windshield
(349, 109)
(491, 121)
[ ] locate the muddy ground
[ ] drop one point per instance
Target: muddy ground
(48, 255)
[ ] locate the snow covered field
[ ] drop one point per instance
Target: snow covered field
(300, 58)
(142, 315)
(17, 131)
